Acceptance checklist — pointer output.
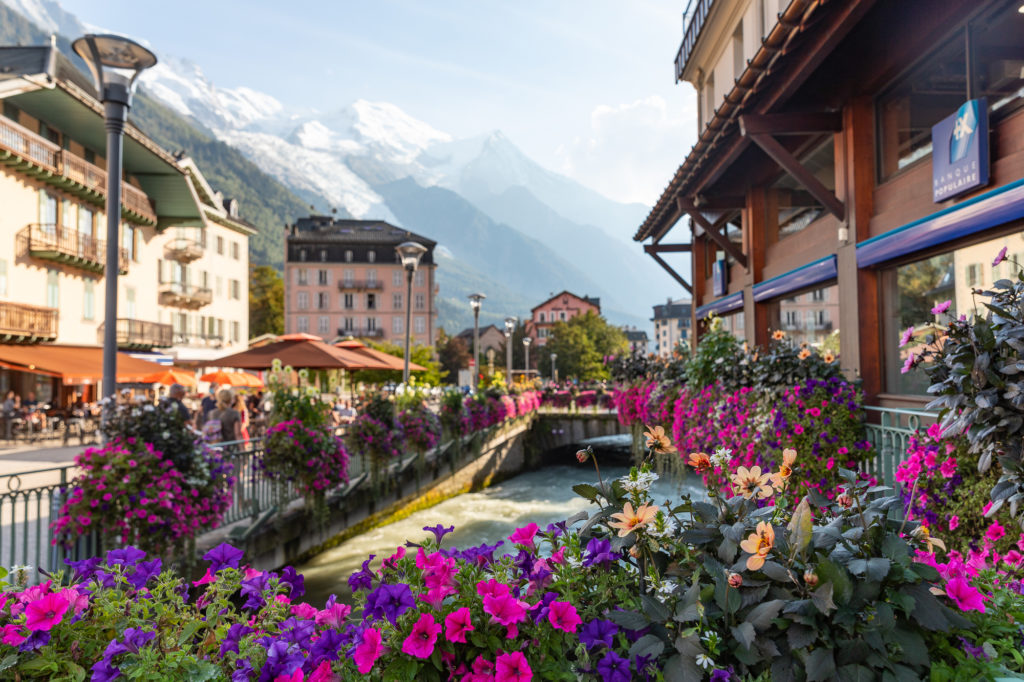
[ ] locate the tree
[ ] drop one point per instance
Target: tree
(453, 354)
(421, 355)
(582, 344)
(266, 301)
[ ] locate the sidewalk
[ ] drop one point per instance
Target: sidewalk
(28, 457)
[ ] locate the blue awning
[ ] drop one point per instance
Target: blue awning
(819, 271)
(723, 305)
(158, 358)
(996, 207)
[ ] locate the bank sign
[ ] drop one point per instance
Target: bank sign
(960, 151)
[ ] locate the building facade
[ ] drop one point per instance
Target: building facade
(839, 190)
(53, 231)
(560, 307)
(343, 278)
(637, 340)
(491, 338)
(671, 326)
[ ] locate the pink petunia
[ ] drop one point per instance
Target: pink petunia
(906, 336)
(524, 535)
(559, 556)
(420, 642)
(830, 463)
(562, 616)
(908, 364)
(13, 635)
(512, 667)
(46, 612)
(492, 588)
(954, 521)
(368, 651)
(995, 531)
(967, 598)
(457, 624)
(205, 580)
(1000, 257)
(948, 468)
(505, 609)
(941, 307)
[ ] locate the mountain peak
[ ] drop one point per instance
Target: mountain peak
(386, 127)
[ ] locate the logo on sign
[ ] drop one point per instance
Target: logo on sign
(960, 151)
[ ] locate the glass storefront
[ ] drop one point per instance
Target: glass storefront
(811, 317)
(909, 292)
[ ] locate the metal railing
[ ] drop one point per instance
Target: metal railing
(889, 431)
(185, 296)
(28, 145)
(69, 246)
(132, 333)
(20, 321)
(359, 284)
(697, 10)
(361, 333)
(183, 250)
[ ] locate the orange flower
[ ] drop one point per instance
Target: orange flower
(700, 461)
(804, 354)
(758, 544)
(828, 357)
(658, 441)
(780, 479)
(747, 482)
(629, 520)
(778, 335)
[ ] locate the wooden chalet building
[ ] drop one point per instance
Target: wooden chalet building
(858, 161)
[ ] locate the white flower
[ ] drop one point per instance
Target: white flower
(638, 481)
(704, 661)
(165, 435)
(721, 457)
(149, 408)
(573, 561)
(663, 526)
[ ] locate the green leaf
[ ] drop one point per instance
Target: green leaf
(878, 568)
(800, 527)
(928, 612)
(856, 673)
(630, 620)
(761, 616)
(648, 645)
(8, 661)
(822, 598)
(744, 634)
(587, 491)
(654, 609)
(800, 636)
(857, 566)
(915, 651)
(830, 572)
(821, 665)
(776, 572)
(896, 550)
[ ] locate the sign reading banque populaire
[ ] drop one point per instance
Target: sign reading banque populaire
(960, 151)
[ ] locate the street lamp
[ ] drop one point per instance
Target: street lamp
(526, 346)
(115, 63)
(409, 253)
(554, 369)
(474, 301)
(510, 328)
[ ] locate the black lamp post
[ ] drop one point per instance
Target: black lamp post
(409, 253)
(115, 63)
(510, 328)
(474, 301)
(526, 347)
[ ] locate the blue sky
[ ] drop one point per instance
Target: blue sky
(584, 88)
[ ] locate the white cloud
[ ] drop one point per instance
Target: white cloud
(632, 150)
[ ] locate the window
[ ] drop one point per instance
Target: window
(47, 211)
(796, 210)
(709, 99)
(371, 277)
(371, 301)
(819, 295)
(371, 324)
(396, 325)
(807, 317)
(791, 318)
(206, 279)
(737, 51)
(321, 278)
(975, 277)
(349, 277)
(202, 238)
(542, 316)
(302, 301)
(323, 324)
(220, 246)
(348, 256)
(236, 290)
(419, 324)
(420, 278)
(420, 302)
(52, 289)
(323, 301)
(3, 276)
(302, 324)
(130, 311)
(349, 324)
(396, 301)
(323, 255)
(561, 316)
(219, 285)
(371, 256)
(10, 111)
(89, 301)
(542, 333)
(85, 222)
(303, 276)
(234, 250)
(396, 278)
(348, 301)
(236, 332)
(302, 254)
(128, 242)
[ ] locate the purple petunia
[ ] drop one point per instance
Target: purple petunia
(128, 556)
(144, 571)
(614, 668)
(223, 556)
(599, 552)
(235, 633)
(363, 578)
(598, 632)
(295, 581)
(439, 531)
(389, 601)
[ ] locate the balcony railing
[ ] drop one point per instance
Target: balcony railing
(183, 250)
(140, 334)
(360, 284)
(362, 333)
(70, 247)
(697, 10)
(207, 340)
(185, 296)
(47, 161)
(27, 323)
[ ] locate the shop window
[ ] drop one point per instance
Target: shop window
(999, 58)
(910, 291)
(808, 317)
(734, 324)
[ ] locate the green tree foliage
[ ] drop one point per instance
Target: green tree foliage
(266, 301)
(582, 344)
(453, 354)
(421, 355)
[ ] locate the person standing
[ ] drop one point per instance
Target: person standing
(243, 414)
(226, 417)
(174, 400)
(208, 404)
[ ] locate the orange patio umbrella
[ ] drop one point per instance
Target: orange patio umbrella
(222, 378)
(170, 376)
(298, 353)
(248, 380)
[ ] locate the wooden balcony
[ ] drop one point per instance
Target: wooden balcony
(69, 247)
(362, 333)
(21, 323)
(360, 285)
(34, 155)
(140, 334)
(183, 251)
(185, 296)
(697, 11)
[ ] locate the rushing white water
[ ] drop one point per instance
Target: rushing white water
(541, 497)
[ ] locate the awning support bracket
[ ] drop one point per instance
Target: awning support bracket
(712, 230)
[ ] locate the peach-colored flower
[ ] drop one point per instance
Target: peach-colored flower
(781, 478)
(810, 578)
(700, 461)
(758, 544)
(828, 357)
(735, 580)
(748, 482)
(844, 501)
(629, 520)
(778, 335)
(804, 354)
(658, 440)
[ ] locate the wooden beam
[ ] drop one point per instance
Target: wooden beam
(793, 198)
(712, 231)
(668, 248)
(670, 270)
(792, 165)
(791, 124)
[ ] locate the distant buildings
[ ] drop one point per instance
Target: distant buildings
(343, 278)
(561, 307)
(490, 338)
(637, 339)
(671, 326)
(184, 250)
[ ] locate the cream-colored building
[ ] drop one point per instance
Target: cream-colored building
(183, 284)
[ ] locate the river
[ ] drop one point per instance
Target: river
(544, 496)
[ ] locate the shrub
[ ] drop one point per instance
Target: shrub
(420, 427)
(298, 402)
(310, 458)
(161, 426)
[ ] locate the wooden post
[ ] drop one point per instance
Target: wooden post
(755, 232)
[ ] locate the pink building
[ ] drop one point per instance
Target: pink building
(559, 308)
(343, 278)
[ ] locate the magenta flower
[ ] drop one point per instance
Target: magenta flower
(954, 521)
(524, 535)
(964, 596)
(948, 468)
(505, 609)
(908, 364)
(563, 616)
(512, 667)
(1000, 257)
(907, 336)
(46, 612)
(995, 531)
(457, 624)
(368, 651)
(941, 307)
(420, 642)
